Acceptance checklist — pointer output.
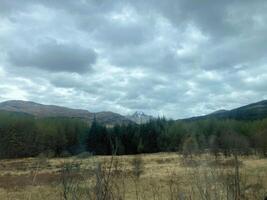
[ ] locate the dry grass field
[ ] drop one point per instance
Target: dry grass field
(151, 176)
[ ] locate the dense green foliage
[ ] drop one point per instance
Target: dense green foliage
(217, 136)
(23, 135)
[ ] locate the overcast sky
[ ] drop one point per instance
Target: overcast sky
(177, 58)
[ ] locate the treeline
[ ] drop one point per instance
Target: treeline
(23, 135)
(161, 135)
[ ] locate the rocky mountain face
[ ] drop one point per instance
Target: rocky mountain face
(139, 117)
(252, 111)
(41, 111)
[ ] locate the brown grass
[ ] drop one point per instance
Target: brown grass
(10, 182)
(164, 174)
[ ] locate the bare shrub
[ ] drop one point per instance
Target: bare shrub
(190, 147)
(155, 189)
(137, 170)
(137, 166)
(231, 183)
(103, 182)
(174, 185)
(69, 180)
(109, 179)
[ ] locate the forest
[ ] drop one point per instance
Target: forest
(25, 136)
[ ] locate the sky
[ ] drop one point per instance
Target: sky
(177, 58)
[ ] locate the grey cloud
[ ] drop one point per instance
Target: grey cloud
(123, 34)
(238, 52)
(55, 57)
(181, 58)
(212, 17)
(75, 7)
(8, 8)
(76, 83)
(149, 56)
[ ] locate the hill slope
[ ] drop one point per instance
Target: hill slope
(40, 111)
(252, 111)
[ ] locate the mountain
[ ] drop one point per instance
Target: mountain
(219, 111)
(252, 111)
(111, 118)
(41, 111)
(139, 117)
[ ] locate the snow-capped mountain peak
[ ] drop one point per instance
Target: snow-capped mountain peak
(139, 117)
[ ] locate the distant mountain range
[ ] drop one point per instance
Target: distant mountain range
(41, 111)
(139, 117)
(249, 112)
(252, 111)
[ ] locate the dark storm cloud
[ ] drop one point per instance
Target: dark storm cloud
(56, 57)
(178, 58)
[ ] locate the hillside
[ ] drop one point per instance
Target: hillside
(41, 111)
(252, 111)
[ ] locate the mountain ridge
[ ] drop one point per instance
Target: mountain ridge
(41, 111)
(253, 111)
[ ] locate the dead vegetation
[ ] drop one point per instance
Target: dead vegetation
(153, 176)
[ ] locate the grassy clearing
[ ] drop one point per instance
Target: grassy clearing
(156, 176)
